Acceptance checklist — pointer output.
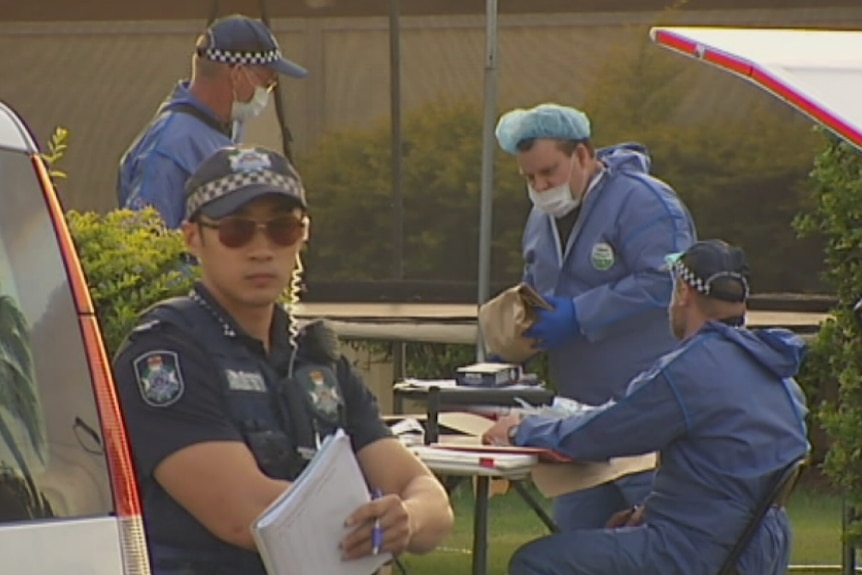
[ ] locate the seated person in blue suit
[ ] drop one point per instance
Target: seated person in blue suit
(725, 416)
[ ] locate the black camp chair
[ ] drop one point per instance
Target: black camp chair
(778, 495)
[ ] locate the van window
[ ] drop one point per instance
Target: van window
(52, 463)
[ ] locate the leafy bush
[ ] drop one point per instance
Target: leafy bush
(131, 261)
(836, 355)
(348, 178)
(57, 145)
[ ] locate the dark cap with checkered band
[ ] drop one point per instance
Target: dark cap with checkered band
(242, 40)
(714, 268)
(236, 175)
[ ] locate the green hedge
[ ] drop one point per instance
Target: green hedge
(836, 355)
(131, 262)
(743, 178)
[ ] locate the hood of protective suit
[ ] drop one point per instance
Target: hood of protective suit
(779, 350)
(182, 96)
(629, 157)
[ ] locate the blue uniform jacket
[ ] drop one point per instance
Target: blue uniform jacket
(611, 267)
(724, 414)
(154, 170)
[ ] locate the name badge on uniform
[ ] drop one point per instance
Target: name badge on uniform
(244, 381)
(322, 387)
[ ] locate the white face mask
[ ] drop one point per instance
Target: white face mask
(557, 201)
(242, 111)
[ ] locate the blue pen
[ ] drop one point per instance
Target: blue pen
(376, 531)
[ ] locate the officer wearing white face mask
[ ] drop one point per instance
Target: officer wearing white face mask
(234, 69)
(594, 247)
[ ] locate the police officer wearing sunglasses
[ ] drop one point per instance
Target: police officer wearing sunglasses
(226, 400)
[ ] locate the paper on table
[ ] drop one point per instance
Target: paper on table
(452, 385)
(299, 533)
(460, 422)
(428, 383)
(553, 479)
(477, 447)
(502, 461)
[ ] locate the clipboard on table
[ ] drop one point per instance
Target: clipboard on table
(453, 459)
(544, 455)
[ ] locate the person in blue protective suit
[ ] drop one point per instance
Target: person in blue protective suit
(593, 246)
(725, 416)
(225, 400)
(235, 67)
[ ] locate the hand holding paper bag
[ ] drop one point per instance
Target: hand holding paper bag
(553, 327)
(504, 319)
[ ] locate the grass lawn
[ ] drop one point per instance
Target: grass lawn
(816, 521)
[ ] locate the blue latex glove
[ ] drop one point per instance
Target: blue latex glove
(553, 327)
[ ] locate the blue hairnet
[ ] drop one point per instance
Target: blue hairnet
(543, 121)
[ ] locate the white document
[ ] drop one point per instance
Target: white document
(300, 532)
(428, 383)
(452, 385)
(435, 457)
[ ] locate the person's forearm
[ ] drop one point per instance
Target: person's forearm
(430, 513)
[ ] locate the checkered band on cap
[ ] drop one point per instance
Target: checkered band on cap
(689, 277)
(704, 286)
(217, 188)
(231, 57)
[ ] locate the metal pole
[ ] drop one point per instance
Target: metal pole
(395, 113)
(487, 194)
(848, 559)
(399, 347)
(281, 114)
(213, 13)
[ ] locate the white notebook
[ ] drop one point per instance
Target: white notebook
(300, 532)
(501, 460)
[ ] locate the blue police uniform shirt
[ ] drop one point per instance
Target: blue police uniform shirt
(154, 169)
(725, 415)
(611, 266)
(173, 394)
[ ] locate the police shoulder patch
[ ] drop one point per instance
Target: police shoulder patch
(321, 385)
(159, 378)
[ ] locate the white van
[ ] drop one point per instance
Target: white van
(68, 500)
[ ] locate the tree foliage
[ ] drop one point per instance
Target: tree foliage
(836, 355)
(57, 145)
(743, 179)
(350, 191)
(131, 262)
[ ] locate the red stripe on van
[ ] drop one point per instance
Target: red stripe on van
(122, 472)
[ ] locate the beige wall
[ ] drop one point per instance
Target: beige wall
(377, 370)
(104, 80)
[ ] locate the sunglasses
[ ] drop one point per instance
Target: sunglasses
(236, 232)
